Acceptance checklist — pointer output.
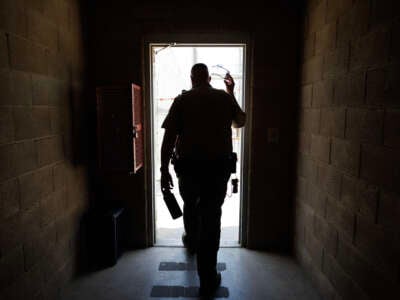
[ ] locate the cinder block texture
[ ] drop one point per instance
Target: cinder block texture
(3, 51)
(37, 255)
(353, 198)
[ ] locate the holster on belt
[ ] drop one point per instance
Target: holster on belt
(228, 162)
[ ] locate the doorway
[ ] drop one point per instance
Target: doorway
(170, 66)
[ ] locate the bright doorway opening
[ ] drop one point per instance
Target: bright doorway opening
(170, 74)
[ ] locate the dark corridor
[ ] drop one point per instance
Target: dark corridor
(323, 194)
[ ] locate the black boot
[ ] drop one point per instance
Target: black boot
(189, 244)
(208, 287)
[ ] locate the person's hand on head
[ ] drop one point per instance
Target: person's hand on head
(166, 181)
(229, 83)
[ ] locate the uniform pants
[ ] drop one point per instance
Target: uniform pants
(203, 190)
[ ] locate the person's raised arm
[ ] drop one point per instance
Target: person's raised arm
(239, 116)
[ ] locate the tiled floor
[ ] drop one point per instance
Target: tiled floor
(249, 275)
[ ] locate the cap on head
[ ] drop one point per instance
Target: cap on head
(199, 73)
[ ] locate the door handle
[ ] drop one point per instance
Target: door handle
(136, 128)
(134, 132)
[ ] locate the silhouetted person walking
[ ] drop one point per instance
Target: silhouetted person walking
(198, 127)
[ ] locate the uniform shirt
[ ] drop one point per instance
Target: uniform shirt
(202, 119)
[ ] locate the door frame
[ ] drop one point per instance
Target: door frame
(209, 39)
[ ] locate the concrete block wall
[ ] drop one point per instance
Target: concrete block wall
(43, 191)
(347, 199)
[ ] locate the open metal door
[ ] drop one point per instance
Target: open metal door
(120, 128)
